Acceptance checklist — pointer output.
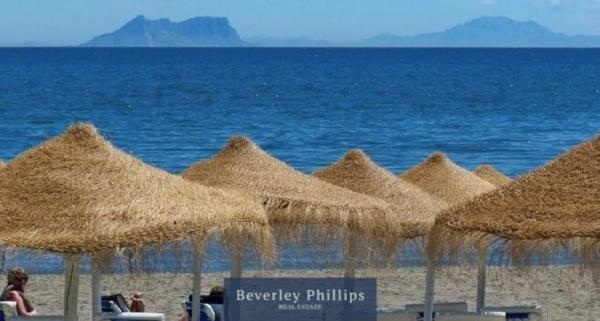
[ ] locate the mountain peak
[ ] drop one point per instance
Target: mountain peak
(489, 31)
(492, 19)
(500, 20)
(136, 20)
(204, 19)
(193, 32)
(501, 25)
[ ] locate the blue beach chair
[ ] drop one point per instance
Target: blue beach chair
(115, 308)
(519, 313)
(438, 308)
(211, 308)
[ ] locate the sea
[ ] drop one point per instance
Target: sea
(513, 108)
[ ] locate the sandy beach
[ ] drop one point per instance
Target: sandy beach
(564, 292)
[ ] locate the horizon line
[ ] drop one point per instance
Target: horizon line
(295, 47)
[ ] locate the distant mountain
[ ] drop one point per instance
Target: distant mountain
(288, 42)
(194, 32)
(487, 32)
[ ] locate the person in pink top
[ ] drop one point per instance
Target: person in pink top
(15, 291)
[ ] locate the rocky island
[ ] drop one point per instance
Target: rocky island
(193, 32)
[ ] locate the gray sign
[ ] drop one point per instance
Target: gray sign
(300, 299)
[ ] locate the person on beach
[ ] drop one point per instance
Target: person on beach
(219, 293)
(15, 291)
(136, 302)
(216, 292)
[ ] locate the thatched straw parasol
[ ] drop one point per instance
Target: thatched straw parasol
(441, 177)
(77, 194)
(299, 206)
(2, 164)
(554, 207)
(292, 199)
(492, 175)
(414, 209)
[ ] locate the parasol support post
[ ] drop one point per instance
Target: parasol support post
(197, 281)
(96, 289)
(481, 279)
(2, 259)
(350, 262)
(71, 287)
(235, 270)
(429, 290)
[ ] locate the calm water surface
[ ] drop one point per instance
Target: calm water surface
(514, 108)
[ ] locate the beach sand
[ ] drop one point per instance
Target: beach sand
(564, 293)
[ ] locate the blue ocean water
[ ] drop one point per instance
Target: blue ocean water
(513, 108)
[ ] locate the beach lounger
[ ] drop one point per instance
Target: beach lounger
(8, 312)
(208, 311)
(395, 315)
(441, 307)
(519, 313)
(470, 317)
(115, 308)
(8, 309)
(214, 301)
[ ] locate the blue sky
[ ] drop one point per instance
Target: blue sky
(75, 21)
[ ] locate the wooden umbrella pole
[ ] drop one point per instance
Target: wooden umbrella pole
(71, 287)
(96, 289)
(429, 291)
(236, 264)
(3, 259)
(350, 262)
(197, 281)
(481, 276)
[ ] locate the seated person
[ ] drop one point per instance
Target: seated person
(15, 291)
(216, 294)
(136, 302)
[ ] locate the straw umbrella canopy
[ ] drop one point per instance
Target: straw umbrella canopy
(441, 177)
(299, 206)
(2, 164)
(492, 175)
(498, 179)
(553, 208)
(77, 194)
(414, 209)
(292, 199)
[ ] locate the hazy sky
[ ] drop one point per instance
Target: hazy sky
(75, 21)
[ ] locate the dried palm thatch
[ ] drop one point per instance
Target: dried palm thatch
(414, 209)
(441, 177)
(492, 175)
(293, 200)
(2, 164)
(77, 194)
(554, 208)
